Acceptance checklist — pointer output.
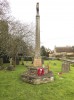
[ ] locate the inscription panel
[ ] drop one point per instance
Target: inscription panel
(37, 62)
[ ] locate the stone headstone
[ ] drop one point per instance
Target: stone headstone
(11, 61)
(65, 67)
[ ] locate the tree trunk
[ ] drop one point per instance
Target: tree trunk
(1, 61)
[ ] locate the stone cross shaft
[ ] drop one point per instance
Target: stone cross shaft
(37, 59)
(37, 39)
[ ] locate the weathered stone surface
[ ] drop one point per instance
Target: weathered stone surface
(65, 67)
(37, 62)
(37, 59)
(33, 70)
(31, 76)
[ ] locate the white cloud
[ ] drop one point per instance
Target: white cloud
(56, 19)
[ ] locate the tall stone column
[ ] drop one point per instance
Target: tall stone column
(37, 58)
(37, 40)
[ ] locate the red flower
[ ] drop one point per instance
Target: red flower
(40, 71)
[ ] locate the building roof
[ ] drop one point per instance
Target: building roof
(64, 49)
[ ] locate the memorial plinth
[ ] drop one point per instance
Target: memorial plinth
(37, 76)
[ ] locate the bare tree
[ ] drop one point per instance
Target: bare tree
(15, 37)
(22, 38)
(4, 36)
(4, 9)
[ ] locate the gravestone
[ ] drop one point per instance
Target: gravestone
(11, 66)
(65, 66)
(11, 61)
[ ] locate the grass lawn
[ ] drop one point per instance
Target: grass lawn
(12, 87)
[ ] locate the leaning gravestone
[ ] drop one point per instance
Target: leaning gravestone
(65, 66)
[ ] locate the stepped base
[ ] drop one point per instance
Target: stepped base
(32, 77)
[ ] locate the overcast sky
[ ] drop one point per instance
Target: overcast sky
(56, 19)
